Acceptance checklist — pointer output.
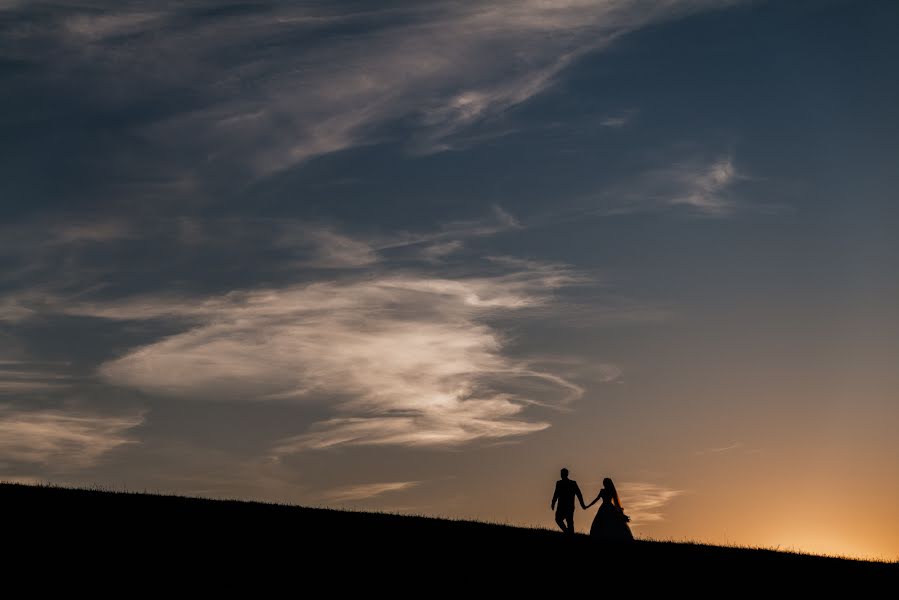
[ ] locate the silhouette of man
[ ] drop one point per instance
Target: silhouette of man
(563, 502)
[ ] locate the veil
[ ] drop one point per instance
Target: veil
(611, 487)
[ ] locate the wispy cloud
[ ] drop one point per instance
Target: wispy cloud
(615, 121)
(366, 491)
(324, 247)
(450, 236)
(403, 353)
(23, 377)
(700, 185)
(65, 232)
(440, 250)
(44, 257)
(704, 189)
(62, 254)
(277, 89)
(719, 450)
(102, 26)
(14, 307)
(19, 386)
(103, 230)
(644, 502)
(61, 438)
(405, 358)
(736, 447)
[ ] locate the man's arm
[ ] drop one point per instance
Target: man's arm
(552, 506)
(577, 492)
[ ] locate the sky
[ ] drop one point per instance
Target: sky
(418, 256)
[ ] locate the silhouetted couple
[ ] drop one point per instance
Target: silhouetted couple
(610, 522)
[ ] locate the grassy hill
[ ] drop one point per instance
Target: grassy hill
(219, 541)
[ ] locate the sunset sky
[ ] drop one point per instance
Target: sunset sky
(417, 256)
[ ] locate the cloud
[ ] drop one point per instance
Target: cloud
(327, 248)
(45, 256)
(607, 372)
(449, 236)
(102, 26)
(16, 387)
(365, 491)
(34, 238)
(404, 358)
(324, 247)
(13, 308)
(699, 185)
(60, 438)
(22, 377)
(614, 122)
(59, 233)
(704, 189)
(401, 356)
(49, 258)
(99, 231)
(272, 85)
(734, 446)
(618, 120)
(644, 502)
(730, 448)
(474, 105)
(436, 252)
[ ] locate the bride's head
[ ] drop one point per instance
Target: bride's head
(607, 483)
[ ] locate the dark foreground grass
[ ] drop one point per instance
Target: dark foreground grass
(214, 543)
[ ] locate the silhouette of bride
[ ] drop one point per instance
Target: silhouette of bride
(610, 522)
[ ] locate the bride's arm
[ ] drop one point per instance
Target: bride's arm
(594, 501)
(580, 497)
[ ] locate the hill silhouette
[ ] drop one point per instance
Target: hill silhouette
(222, 541)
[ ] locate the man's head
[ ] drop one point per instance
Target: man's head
(564, 473)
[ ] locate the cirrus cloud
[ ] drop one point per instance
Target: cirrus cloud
(263, 96)
(402, 358)
(61, 438)
(365, 491)
(645, 501)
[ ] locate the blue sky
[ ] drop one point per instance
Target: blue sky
(419, 255)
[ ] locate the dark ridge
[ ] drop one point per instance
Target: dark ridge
(213, 542)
